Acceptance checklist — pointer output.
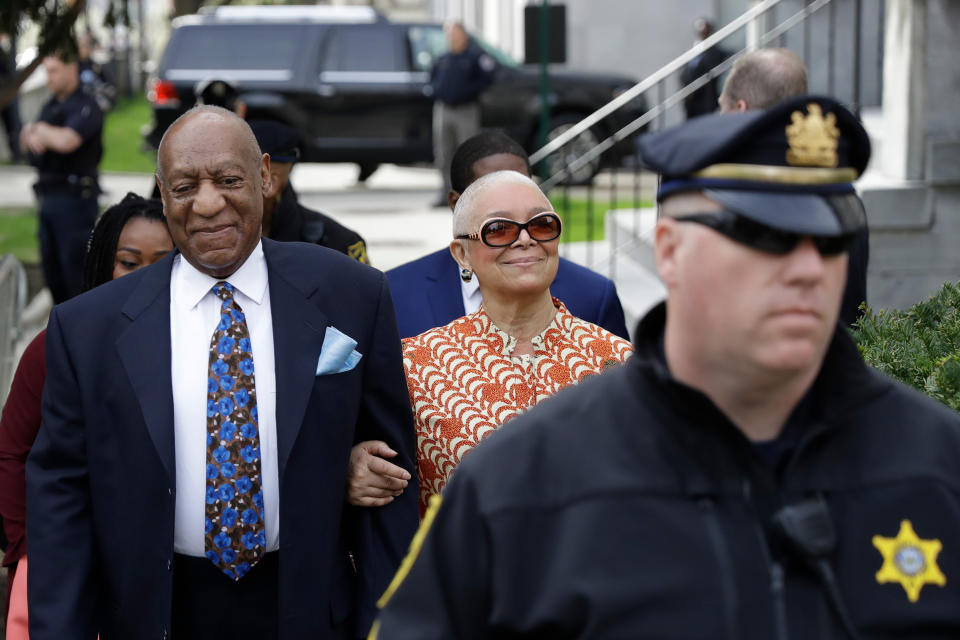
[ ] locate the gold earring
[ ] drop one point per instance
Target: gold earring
(466, 274)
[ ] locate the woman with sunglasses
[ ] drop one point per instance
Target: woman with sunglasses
(128, 236)
(469, 377)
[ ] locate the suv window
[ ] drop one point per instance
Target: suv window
(364, 48)
(259, 46)
(426, 45)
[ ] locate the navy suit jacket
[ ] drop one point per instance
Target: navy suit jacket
(427, 294)
(102, 476)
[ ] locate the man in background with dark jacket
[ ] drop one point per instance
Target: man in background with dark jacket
(703, 100)
(457, 79)
(284, 218)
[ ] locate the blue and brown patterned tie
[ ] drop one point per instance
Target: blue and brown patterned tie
(234, 537)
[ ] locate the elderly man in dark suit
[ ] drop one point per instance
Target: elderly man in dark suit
(189, 477)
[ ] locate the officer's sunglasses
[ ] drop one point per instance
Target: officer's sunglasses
(502, 232)
(761, 237)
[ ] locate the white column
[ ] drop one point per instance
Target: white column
(904, 90)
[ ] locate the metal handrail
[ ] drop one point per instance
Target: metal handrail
(661, 74)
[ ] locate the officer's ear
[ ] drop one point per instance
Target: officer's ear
(667, 238)
(452, 197)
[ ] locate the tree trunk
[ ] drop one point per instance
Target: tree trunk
(10, 88)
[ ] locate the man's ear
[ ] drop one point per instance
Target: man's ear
(265, 175)
(666, 241)
(273, 190)
(452, 197)
(160, 190)
(741, 106)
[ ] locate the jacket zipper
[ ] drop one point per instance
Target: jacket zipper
(777, 576)
(729, 587)
(779, 602)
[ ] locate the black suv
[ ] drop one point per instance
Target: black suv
(356, 85)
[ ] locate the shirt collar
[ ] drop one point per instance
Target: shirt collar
(250, 279)
(546, 340)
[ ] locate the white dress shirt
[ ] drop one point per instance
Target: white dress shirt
(471, 295)
(194, 314)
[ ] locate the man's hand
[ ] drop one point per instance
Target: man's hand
(371, 480)
(40, 137)
(30, 141)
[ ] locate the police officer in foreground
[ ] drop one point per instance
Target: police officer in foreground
(745, 475)
(284, 218)
(64, 144)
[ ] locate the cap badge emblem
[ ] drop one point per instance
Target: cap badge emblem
(812, 138)
(909, 561)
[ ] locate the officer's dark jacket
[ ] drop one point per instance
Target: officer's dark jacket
(80, 113)
(630, 507)
(459, 78)
(293, 222)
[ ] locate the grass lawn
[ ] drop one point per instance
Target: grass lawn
(18, 234)
(122, 140)
(574, 213)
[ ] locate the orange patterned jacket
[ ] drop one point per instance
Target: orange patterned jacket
(464, 383)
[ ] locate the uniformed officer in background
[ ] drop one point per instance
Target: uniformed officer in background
(284, 218)
(457, 80)
(745, 475)
(65, 146)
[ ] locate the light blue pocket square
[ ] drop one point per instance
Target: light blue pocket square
(338, 353)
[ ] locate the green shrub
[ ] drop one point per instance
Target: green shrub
(920, 347)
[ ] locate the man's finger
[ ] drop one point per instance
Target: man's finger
(370, 492)
(387, 469)
(378, 448)
(381, 482)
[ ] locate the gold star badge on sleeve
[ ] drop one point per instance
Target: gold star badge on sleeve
(909, 560)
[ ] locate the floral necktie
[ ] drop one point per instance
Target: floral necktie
(234, 536)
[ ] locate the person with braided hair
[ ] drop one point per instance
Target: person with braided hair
(129, 235)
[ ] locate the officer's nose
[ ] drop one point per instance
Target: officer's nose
(208, 200)
(806, 264)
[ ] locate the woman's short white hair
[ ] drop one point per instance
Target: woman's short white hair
(464, 214)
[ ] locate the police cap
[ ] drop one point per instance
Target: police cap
(282, 142)
(219, 93)
(790, 167)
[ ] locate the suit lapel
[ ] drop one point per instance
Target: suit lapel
(298, 331)
(443, 289)
(144, 349)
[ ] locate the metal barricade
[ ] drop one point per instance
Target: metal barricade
(13, 299)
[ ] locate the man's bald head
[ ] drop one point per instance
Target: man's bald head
(762, 78)
(205, 114)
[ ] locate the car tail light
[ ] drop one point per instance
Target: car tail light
(163, 92)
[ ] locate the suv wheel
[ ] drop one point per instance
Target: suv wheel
(572, 151)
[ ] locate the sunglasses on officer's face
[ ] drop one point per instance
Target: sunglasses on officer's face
(760, 236)
(502, 232)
